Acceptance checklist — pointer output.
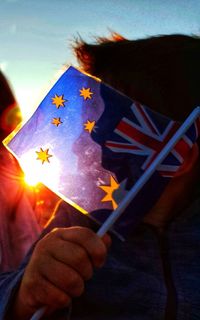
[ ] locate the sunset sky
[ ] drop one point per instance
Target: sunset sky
(35, 35)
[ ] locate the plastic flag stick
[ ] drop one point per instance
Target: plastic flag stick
(139, 184)
(39, 314)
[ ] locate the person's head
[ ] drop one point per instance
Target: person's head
(10, 114)
(161, 72)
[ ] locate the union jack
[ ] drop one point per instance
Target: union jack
(144, 137)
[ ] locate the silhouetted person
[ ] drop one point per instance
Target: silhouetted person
(155, 273)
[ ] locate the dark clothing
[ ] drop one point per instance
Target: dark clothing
(146, 277)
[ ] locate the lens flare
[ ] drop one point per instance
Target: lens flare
(36, 172)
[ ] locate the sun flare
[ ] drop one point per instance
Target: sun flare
(35, 172)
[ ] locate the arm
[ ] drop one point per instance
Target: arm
(62, 260)
(9, 282)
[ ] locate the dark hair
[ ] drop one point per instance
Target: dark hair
(161, 72)
(6, 96)
(10, 114)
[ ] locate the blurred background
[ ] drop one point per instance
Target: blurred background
(36, 35)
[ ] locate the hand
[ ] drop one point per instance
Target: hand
(60, 264)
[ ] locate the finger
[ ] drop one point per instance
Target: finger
(44, 293)
(86, 238)
(75, 256)
(107, 240)
(63, 278)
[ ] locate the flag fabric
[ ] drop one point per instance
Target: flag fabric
(89, 144)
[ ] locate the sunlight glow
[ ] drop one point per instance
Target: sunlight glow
(31, 179)
(26, 101)
(29, 97)
(35, 171)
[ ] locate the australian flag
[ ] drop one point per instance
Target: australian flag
(89, 144)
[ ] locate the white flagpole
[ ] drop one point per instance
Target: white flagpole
(39, 314)
(139, 184)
